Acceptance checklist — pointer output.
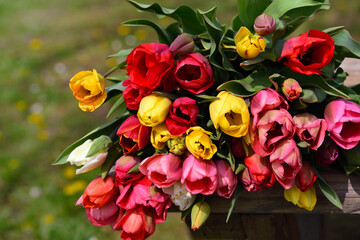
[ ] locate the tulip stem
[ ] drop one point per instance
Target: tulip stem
(113, 69)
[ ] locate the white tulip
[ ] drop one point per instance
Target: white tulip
(180, 196)
(78, 157)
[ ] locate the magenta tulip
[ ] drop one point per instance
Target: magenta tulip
(310, 129)
(326, 154)
(162, 169)
(199, 176)
(248, 182)
(227, 179)
(286, 162)
(343, 121)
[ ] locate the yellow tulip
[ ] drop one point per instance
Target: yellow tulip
(199, 143)
(153, 110)
(231, 114)
(89, 88)
(159, 136)
(249, 45)
(305, 200)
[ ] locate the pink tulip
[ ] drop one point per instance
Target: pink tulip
(286, 162)
(122, 166)
(264, 100)
(260, 170)
(326, 154)
(137, 223)
(248, 182)
(199, 176)
(273, 127)
(162, 169)
(99, 192)
(105, 215)
(227, 180)
(306, 177)
(343, 121)
(310, 129)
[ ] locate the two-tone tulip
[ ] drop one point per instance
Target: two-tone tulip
(249, 45)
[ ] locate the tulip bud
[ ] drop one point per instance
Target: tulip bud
(291, 89)
(79, 157)
(326, 154)
(264, 24)
(199, 214)
(177, 146)
(182, 44)
(305, 200)
(306, 177)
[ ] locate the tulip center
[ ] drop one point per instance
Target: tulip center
(189, 72)
(275, 130)
(306, 58)
(182, 115)
(233, 118)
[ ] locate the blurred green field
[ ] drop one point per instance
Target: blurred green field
(43, 44)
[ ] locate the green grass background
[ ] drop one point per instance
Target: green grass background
(43, 43)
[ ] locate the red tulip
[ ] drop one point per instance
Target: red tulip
(193, 73)
(308, 53)
(148, 63)
(137, 223)
(260, 170)
(99, 192)
(133, 94)
(306, 177)
(122, 166)
(182, 115)
(132, 135)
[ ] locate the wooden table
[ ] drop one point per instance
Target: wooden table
(266, 215)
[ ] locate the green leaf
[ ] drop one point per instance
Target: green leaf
(99, 144)
(206, 98)
(117, 79)
(239, 168)
(114, 154)
(329, 193)
(183, 14)
(314, 81)
(345, 45)
(134, 169)
(119, 104)
(333, 30)
(352, 159)
(105, 129)
(250, 9)
(162, 34)
(248, 86)
(225, 153)
(121, 53)
(235, 196)
(313, 95)
(114, 90)
(279, 8)
(236, 23)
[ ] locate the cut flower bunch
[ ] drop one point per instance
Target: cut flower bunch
(215, 110)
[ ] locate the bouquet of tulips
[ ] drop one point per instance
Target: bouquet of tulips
(211, 110)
